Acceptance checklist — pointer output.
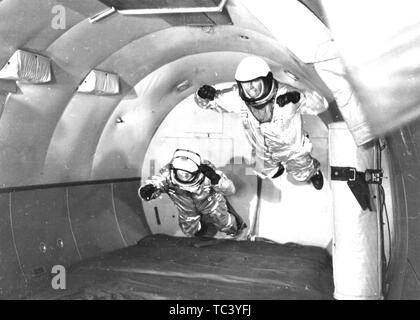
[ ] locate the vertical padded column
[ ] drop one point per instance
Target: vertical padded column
(356, 237)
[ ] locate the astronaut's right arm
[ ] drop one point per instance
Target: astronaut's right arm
(154, 186)
(207, 97)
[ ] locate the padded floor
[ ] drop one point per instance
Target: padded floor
(166, 267)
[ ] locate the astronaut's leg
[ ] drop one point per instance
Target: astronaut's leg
(268, 168)
(306, 168)
(222, 219)
(189, 224)
(302, 167)
(240, 223)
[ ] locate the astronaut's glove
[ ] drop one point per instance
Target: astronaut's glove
(210, 173)
(292, 96)
(147, 191)
(207, 92)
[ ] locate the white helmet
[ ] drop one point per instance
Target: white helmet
(253, 69)
(185, 168)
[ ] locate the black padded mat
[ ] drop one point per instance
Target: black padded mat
(166, 267)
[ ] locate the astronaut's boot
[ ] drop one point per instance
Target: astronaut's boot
(208, 230)
(240, 225)
(317, 180)
(279, 171)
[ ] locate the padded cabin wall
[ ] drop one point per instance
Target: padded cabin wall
(41, 228)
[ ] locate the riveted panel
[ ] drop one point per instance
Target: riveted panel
(42, 230)
(93, 220)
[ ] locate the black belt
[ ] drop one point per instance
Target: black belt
(358, 182)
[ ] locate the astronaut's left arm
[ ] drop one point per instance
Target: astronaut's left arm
(220, 182)
(312, 103)
(225, 185)
(303, 101)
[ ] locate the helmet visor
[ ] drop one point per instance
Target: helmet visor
(184, 176)
(253, 89)
(257, 92)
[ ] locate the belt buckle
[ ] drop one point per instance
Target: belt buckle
(353, 170)
(374, 176)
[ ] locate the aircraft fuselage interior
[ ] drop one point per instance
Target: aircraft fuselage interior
(96, 96)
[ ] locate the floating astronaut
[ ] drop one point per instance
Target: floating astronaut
(271, 114)
(199, 192)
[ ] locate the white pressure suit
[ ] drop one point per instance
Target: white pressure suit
(199, 203)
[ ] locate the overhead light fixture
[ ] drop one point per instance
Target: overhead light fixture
(291, 75)
(26, 66)
(100, 83)
(184, 85)
(141, 7)
(102, 15)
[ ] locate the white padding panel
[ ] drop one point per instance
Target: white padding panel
(100, 83)
(333, 73)
(356, 245)
(27, 67)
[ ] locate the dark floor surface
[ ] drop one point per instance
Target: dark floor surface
(166, 267)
